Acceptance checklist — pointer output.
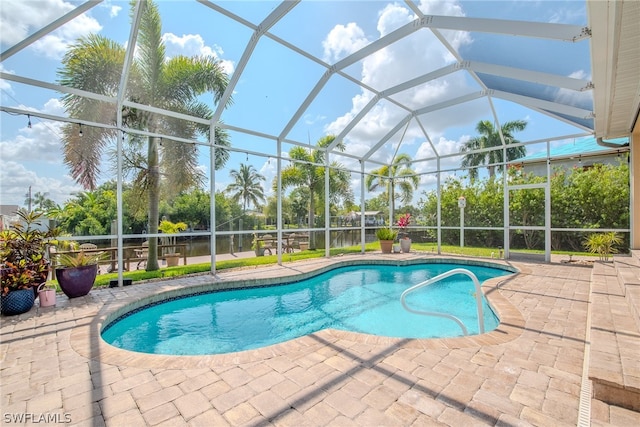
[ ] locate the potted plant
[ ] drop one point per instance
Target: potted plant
(603, 244)
(17, 295)
(386, 237)
(76, 272)
(24, 265)
(169, 227)
(405, 241)
(257, 246)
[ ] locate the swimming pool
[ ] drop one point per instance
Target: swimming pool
(361, 298)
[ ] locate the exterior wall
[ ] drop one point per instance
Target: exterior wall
(8, 216)
(635, 187)
(540, 168)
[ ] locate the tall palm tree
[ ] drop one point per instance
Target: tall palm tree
(490, 138)
(247, 186)
(308, 174)
(398, 174)
(95, 64)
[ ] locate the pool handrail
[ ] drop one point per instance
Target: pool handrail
(439, 277)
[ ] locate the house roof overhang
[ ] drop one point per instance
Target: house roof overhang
(615, 58)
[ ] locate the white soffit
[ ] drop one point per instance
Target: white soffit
(615, 56)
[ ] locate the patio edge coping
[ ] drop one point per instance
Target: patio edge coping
(87, 341)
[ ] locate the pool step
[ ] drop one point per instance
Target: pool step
(615, 331)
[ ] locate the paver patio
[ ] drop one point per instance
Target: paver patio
(526, 372)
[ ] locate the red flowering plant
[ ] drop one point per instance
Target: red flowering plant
(403, 223)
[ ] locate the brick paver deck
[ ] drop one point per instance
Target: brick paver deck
(527, 372)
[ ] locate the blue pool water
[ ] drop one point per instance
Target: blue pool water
(364, 298)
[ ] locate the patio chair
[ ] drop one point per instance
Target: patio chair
(142, 253)
(268, 242)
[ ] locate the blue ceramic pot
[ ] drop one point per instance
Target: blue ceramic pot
(17, 302)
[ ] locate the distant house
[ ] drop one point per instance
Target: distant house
(583, 153)
(8, 215)
(371, 219)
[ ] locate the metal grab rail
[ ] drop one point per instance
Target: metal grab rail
(444, 275)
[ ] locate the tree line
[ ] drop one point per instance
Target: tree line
(590, 198)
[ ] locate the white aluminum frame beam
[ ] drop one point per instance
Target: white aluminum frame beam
(388, 136)
(451, 102)
(58, 88)
(345, 62)
(527, 101)
(277, 14)
(385, 94)
(55, 118)
(548, 79)
(542, 30)
(122, 90)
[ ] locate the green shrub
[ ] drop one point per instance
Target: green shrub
(386, 234)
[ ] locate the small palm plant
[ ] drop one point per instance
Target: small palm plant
(386, 234)
(80, 259)
(169, 227)
(603, 244)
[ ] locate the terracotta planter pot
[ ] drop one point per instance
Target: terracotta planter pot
(77, 281)
(172, 260)
(386, 246)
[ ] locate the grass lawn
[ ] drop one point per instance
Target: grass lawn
(138, 275)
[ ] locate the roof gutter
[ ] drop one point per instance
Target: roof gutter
(604, 143)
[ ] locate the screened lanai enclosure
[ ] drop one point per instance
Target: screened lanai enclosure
(507, 126)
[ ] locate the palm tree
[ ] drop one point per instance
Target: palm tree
(95, 64)
(307, 174)
(247, 186)
(399, 174)
(42, 202)
(490, 138)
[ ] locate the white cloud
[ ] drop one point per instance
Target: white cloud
(342, 41)
(54, 107)
(19, 19)
(579, 74)
(194, 45)
(392, 17)
(41, 142)
(567, 15)
(444, 147)
(114, 10)
(16, 180)
(269, 171)
(447, 8)
(310, 120)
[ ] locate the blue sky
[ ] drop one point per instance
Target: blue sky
(276, 80)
